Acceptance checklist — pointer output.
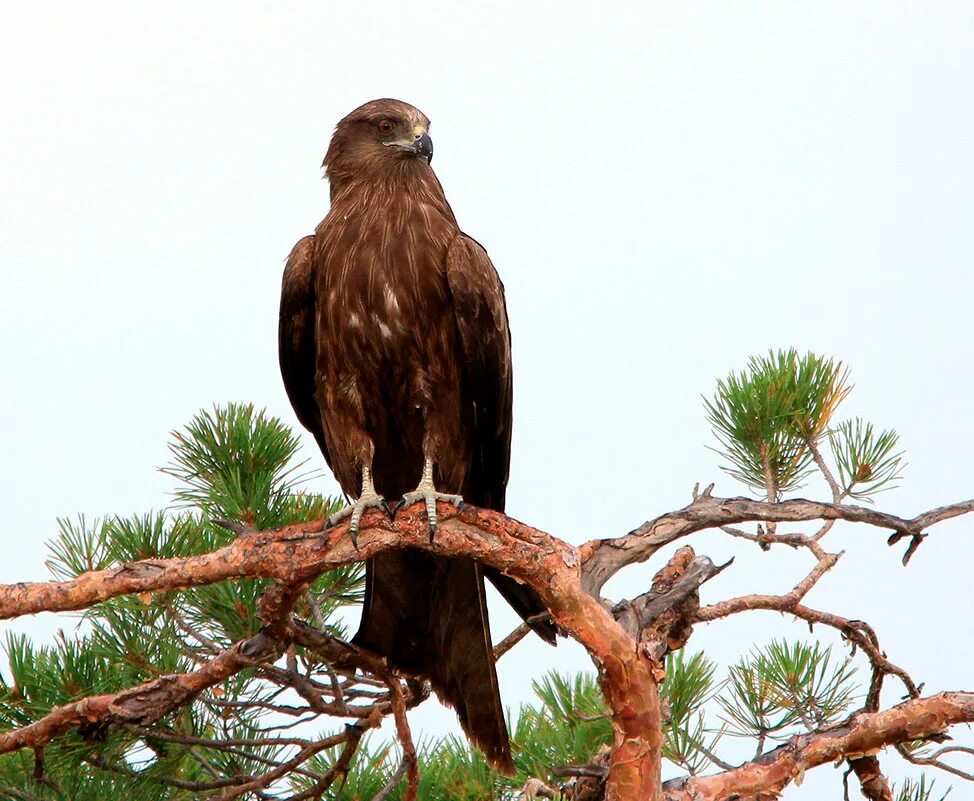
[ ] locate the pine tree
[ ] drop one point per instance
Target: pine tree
(300, 721)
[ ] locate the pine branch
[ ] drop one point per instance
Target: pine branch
(139, 705)
(862, 733)
(297, 552)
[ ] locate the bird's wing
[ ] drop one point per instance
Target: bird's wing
(485, 338)
(296, 347)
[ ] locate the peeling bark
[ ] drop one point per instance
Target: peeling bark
(863, 734)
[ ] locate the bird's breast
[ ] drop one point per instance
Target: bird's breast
(383, 292)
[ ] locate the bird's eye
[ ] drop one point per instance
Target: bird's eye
(386, 126)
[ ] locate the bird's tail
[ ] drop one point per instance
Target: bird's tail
(428, 616)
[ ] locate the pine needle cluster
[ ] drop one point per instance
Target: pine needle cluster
(233, 463)
(771, 418)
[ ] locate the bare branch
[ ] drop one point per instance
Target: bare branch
(302, 756)
(338, 769)
(859, 633)
(826, 472)
(392, 783)
(933, 760)
(603, 558)
(98, 761)
(511, 640)
(405, 737)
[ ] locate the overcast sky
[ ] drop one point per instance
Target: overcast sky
(665, 188)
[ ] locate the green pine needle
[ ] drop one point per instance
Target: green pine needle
(766, 416)
(868, 461)
(237, 463)
(919, 790)
(784, 685)
(688, 685)
(567, 728)
(78, 548)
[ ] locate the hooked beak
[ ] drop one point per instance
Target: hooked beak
(424, 147)
(419, 145)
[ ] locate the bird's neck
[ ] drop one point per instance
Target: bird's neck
(415, 182)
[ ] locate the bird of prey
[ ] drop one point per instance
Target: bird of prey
(396, 355)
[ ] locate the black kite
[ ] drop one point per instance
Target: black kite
(396, 355)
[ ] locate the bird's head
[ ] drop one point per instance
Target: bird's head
(382, 138)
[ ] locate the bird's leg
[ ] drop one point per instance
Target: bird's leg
(427, 492)
(368, 499)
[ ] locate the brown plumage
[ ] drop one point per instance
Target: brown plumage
(395, 352)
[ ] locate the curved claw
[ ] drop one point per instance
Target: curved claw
(429, 496)
(331, 521)
(355, 511)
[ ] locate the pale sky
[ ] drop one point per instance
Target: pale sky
(665, 189)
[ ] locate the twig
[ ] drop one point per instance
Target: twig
(826, 472)
(405, 737)
(933, 760)
(339, 768)
(392, 783)
(302, 756)
(147, 702)
(98, 761)
(857, 632)
(511, 640)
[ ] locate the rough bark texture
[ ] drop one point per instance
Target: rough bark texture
(872, 782)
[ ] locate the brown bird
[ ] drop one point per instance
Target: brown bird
(396, 354)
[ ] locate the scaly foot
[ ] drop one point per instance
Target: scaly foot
(427, 493)
(369, 499)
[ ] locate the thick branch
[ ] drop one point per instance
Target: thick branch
(872, 783)
(300, 552)
(863, 734)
